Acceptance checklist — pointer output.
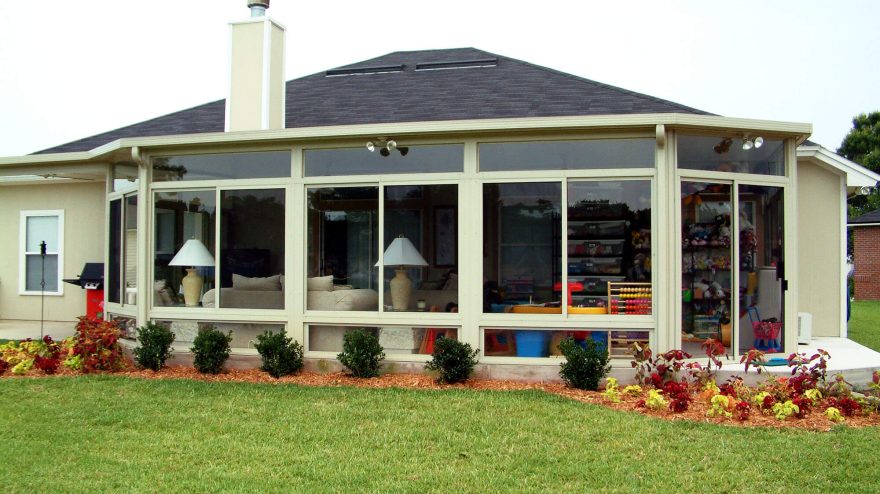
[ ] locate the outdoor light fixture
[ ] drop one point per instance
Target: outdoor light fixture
(749, 143)
(386, 146)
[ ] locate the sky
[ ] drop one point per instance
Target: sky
(73, 68)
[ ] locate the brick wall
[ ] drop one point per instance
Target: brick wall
(867, 262)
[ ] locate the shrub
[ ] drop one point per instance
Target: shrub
(210, 350)
(97, 345)
(584, 366)
(453, 359)
(281, 355)
(155, 346)
(3, 366)
(361, 353)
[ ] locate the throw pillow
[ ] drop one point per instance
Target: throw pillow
(320, 284)
(268, 284)
(452, 282)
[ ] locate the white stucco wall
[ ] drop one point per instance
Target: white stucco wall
(83, 206)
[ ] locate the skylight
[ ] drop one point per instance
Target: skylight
(378, 69)
(458, 64)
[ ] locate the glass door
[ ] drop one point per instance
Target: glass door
(761, 268)
(706, 253)
(752, 315)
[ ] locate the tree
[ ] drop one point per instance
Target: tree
(862, 145)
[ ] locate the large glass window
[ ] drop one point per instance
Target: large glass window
(567, 155)
(42, 269)
(522, 253)
(505, 342)
(395, 340)
(732, 154)
(400, 159)
(184, 247)
(130, 242)
(113, 280)
(243, 334)
(609, 246)
(251, 250)
(267, 164)
(421, 256)
(343, 248)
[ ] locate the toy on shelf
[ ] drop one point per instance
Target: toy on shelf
(629, 298)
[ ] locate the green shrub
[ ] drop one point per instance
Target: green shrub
(453, 359)
(281, 355)
(361, 353)
(583, 367)
(155, 346)
(210, 350)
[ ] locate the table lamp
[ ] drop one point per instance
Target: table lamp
(193, 253)
(403, 254)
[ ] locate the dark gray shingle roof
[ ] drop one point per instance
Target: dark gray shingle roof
(872, 217)
(507, 88)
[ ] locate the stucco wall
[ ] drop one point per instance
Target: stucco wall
(83, 205)
(866, 254)
(819, 247)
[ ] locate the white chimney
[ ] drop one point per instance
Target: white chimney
(256, 72)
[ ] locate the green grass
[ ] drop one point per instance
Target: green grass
(864, 324)
(98, 434)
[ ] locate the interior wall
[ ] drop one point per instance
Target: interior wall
(819, 247)
(83, 205)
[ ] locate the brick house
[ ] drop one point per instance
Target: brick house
(866, 255)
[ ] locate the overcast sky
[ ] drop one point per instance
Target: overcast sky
(74, 68)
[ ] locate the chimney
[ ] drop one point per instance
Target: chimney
(256, 74)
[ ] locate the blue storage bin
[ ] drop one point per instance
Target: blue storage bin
(532, 343)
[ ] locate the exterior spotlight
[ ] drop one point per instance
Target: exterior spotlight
(403, 150)
(370, 146)
(384, 151)
(747, 144)
(759, 141)
(391, 146)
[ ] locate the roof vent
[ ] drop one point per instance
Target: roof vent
(378, 69)
(258, 8)
(458, 64)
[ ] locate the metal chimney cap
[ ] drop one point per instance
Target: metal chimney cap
(258, 9)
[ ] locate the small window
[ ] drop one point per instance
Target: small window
(227, 166)
(384, 160)
(40, 270)
(732, 154)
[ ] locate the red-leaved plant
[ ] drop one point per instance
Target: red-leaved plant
(97, 343)
(50, 358)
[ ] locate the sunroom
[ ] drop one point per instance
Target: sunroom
(509, 235)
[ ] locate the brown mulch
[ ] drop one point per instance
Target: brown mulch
(815, 421)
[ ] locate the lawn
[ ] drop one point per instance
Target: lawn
(106, 433)
(864, 324)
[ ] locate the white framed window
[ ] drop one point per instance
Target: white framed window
(39, 274)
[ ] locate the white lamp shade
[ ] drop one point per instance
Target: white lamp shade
(193, 253)
(401, 252)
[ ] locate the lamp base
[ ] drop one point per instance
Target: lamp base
(401, 289)
(192, 287)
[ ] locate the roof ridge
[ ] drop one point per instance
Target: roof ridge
(602, 84)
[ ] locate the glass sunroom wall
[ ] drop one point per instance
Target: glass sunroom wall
(609, 247)
(522, 254)
(425, 216)
(252, 226)
(181, 216)
(342, 241)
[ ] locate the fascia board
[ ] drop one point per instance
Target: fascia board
(670, 120)
(856, 174)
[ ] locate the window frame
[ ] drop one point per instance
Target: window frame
(24, 253)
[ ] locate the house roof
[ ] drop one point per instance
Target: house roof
(867, 218)
(416, 86)
(857, 176)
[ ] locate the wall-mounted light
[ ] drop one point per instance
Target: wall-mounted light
(386, 146)
(749, 143)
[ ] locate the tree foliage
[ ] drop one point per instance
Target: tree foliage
(862, 145)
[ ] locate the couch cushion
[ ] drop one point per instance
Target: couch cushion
(268, 284)
(320, 284)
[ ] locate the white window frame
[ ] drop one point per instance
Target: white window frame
(23, 253)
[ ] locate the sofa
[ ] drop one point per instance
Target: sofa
(268, 293)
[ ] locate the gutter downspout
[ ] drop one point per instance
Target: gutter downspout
(145, 204)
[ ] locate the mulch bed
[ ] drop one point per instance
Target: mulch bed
(816, 420)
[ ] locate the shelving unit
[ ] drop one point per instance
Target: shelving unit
(596, 251)
(706, 262)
